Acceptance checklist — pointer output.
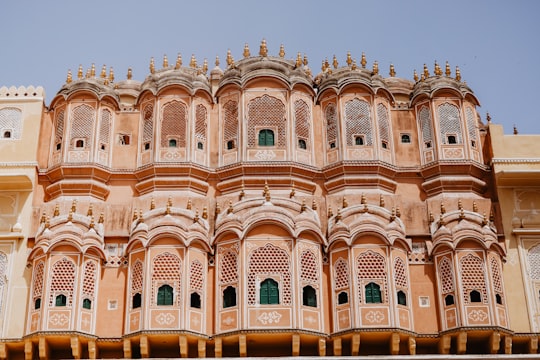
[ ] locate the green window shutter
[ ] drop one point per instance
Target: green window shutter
(273, 296)
(264, 292)
(262, 138)
(165, 295)
(373, 293)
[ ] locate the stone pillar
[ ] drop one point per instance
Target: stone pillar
(295, 345)
(218, 348)
(508, 344)
(28, 350)
(3, 351)
(494, 342)
(242, 345)
(127, 348)
(444, 344)
(43, 347)
(76, 350)
(182, 341)
(412, 345)
(394, 344)
(337, 346)
(93, 351)
(461, 343)
(145, 347)
(322, 347)
(533, 345)
(355, 344)
(201, 348)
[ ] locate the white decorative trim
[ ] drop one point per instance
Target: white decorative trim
(515, 161)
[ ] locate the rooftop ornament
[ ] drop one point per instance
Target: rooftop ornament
(281, 51)
(263, 51)
(363, 62)
(165, 61)
(392, 70)
(152, 66)
(178, 63)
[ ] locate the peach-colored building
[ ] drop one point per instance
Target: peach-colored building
(261, 209)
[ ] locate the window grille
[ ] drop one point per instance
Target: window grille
(358, 121)
(450, 123)
(371, 267)
(302, 118)
(167, 268)
(62, 281)
(446, 275)
(11, 120)
(174, 123)
(230, 127)
(266, 111)
(472, 276)
(331, 125)
(384, 126)
(200, 126)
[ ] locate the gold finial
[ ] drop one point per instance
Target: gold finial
(69, 78)
(196, 217)
(326, 64)
(90, 211)
(443, 209)
(141, 217)
(152, 66)
(88, 74)
(458, 74)
(441, 220)
(392, 70)
(47, 223)
(103, 73)
(230, 209)
(393, 214)
(56, 210)
(491, 216)
(281, 51)
(363, 61)
(298, 60)
(230, 59)
(398, 212)
(305, 60)
(152, 204)
(474, 207)
(381, 201)
(266, 193)
(375, 68)
(415, 76)
(242, 193)
(303, 206)
(354, 67)
(426, 71)
(447, 71)
(338, 215)
(43, 217)
(349, 58)
(205, 66)
(431, 219)
(101, 218)
(217, 61)
(488, 118)
(515, 130)
(335, 62)
(484, 219)
(205, 213)
(461, 214)
(165, 61)
(93, 71)
(218, 209)
(193, 62)
(80, 72)
(330, 212)
(422, 78)
(344, 202)
(323, 66)
(437, 70)
(129, 74)
(74, 205)
(363, 199)
(91, 225)
(314, 204)
(168, 208)
(189, 204)
(70, 215)
(263, 51)
(135, 216)
(111, 74)
(178, 63)
(246, 51)
(459, 204)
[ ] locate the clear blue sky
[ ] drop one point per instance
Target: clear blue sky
(495, 43)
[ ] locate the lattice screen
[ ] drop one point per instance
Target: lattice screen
(471, 123)
(89, 279)
(449, 122)
(136, 277)
(496, 276)
(425, 124)
(266, 111)
(105, 127)
(167, 269)
(309, 271)
(534, 262)
(82, 125)
(148, 124)
(331, 124)
(384, 124)
(358, 121)
(302, 116)
(62, 281)
(400, 274)
(228, 268)
(446, 275)
(269, 260)
(200, 124)
(37, 291)
(371, 267)
(174, 124)
(472, 277)
(341, 274)
(11, 119)
(230, 126)
(196, 276)
(59, 130)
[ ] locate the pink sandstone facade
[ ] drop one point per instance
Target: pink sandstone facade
(259, 210)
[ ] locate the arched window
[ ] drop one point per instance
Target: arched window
(401, 298)
(269, 292)
(87, 304)
(405, 138)
(230, 144)
(172, 142)
(452, 139)
(136, 301)
(475, 296)
(309, 296)
(449, 300)
(359, 140)
(498, 299)
(79, 144)
(200, 145)
(343, 298)
(7, 134)
(195, 300)
(373, 293)
(165, 295)
(37, 304)
(61, 300)
(302, 144)
(266, 137)
(229, 297)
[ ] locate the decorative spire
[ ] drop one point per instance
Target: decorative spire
(230, 59)
(375, 68)
(305, 60)
(458, 74)
(381, 201)
(90, 211)
(43, 217)
(349, 58)
(168, 208)
(196, 217)
(88, 73)
(178, 63)
(69, 78)
(91, 225)
(152, 204)
(426, 71)
(47, 223)
(398, 212)
(415, 76)
(363, 199)
(103, 73)
(431, 218)
(266, 192)
(93, 71)
(80, 72)
(230, 208)
(515, 130)
(70, 216)
(242, 193)
(74, 205)
(437, 70)
(291, 194)
(314, 204)
(281, 51)
(246, 51)
(344, 203)
(193, 62)
(354, 67)
(298, 60)
(111, 74)
(129, 74)
(218, 209)
(330, 212)
(447, 71)
(56, 210)
(474, 207)
(135, 216)
(303, 207)
(101, 218)
(393, 214)
(263, 51)
(459, 204)
(484, 219)
(217, 61)
(443, 209)
(141, 217)
(392, 70)
(363, 62)
(205, 66)
(335, 63)
(338, 215)
(205, 213)
(152, 66)
(488, 118)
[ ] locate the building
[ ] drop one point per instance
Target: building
(262, 209)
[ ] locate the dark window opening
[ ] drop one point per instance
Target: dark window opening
(473, 143)
(172, 142)
(79, 144)
(452, 139)
(195, 300)
(37, 304)
(266, 137)
(136, 301)
(302, 144)
(124, 140)
(332, 145)
(428, 144)
(384, 145)
(229, 297)
(102, 146)
(61, 300)
(405, 138)
(401, 298)
(200, 145)
(165, 295)
(449, 300)
(269, 292)
(342, 298)
(230, 144)
(309, 296)
(373, 294)
(87, 304)
(359, 140)
(475, 296)
(7, 134)
(147, 146)
(58, 146)
(498, 299)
